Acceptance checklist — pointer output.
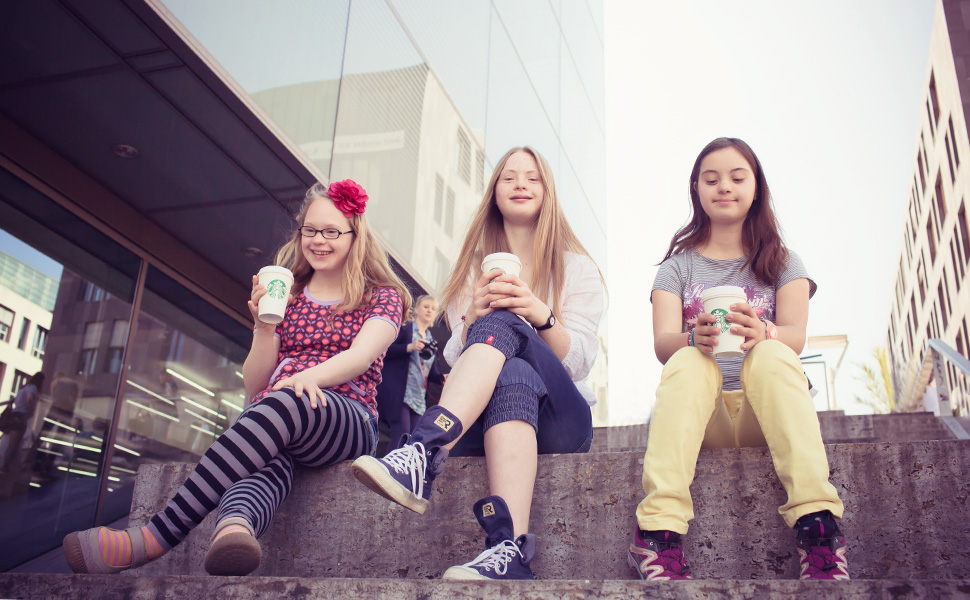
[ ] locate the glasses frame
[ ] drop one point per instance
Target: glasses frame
(302, 231)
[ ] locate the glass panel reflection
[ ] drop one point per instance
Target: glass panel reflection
(64, 299)
(287, 55)
(183, 387)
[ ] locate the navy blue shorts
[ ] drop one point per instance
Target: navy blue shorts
(533, 387)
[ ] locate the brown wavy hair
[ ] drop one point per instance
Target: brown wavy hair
(366, 267)
(486, 234)
(760, 238)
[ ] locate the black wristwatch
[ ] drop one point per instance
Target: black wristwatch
(549, 324)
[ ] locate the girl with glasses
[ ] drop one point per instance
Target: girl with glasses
(312, 380)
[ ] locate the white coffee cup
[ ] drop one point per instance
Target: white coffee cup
(717, 301)
(278, 281)
(502, 261)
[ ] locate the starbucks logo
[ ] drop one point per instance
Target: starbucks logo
(276, 289)
(720, 319)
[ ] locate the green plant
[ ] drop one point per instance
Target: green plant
(879, 383)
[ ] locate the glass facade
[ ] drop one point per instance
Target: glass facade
(417, 99)
(114, 396)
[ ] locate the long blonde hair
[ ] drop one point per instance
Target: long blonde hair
(486, 234)
(366, 267)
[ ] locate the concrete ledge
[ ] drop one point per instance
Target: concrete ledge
(44, 586)
(906, 508)
(836, 428)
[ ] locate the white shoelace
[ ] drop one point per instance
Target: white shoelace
(496, 558)
(412, 459)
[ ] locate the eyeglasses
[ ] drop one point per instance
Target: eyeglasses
(329, 234)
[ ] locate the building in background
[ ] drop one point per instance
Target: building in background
(152, 154)
(932, 299)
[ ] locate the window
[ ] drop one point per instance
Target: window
(480, 170)
(931, 239)
(964, 235)
(949, 158)
(909, 335)
(953, 139)
(439, 198)
(40, 342)
(912, 305)
(116, 347)
(945, 281)
(20, 379)
(942, 300)
(89, 292)
(921, 277)
(450, 212)
(933, 98)
(919, 167)
(940, 198)
(929, 112)
(6, 323)
(89, 348)
(463, 156)
(24, 331)
(958, 271)
(442, 267)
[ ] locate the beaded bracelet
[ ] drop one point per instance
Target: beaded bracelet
(690, 340)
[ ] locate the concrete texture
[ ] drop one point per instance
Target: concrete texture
(107, 587)
(906, 518)
(836, 428)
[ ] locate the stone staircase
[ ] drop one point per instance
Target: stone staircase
(906, 520)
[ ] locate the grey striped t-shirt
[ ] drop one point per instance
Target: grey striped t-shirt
(688, 274)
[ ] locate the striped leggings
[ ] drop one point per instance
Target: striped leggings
(248, 471)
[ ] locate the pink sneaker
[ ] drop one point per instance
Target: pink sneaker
(821, 548)
(656, 560)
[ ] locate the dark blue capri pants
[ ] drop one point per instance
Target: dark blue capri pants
(533, 387)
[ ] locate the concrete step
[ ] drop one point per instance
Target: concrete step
(44, 587)
(836, 428)
(906, 508)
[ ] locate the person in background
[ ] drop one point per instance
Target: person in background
(408, 368)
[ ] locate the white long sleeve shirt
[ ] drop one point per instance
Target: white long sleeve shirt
(583, 305)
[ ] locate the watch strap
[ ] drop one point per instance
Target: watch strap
(550, 322)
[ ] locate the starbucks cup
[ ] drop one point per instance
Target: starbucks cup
(717, 301)
(502, 262)
(278, 281)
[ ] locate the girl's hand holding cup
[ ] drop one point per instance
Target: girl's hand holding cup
(482, 298)
(705, 333)
(255, 296)
(514, 295)
(745, 321)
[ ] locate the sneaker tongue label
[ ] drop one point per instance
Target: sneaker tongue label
(488, 510)
(444, 422)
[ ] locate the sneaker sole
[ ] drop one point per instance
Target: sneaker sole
(460, 573)
(372, 473)
(234, 554)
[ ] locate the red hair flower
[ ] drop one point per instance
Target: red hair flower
(348, 197)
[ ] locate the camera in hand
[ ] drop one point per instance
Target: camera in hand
(429, 350)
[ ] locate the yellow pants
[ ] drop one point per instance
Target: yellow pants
(773, 408)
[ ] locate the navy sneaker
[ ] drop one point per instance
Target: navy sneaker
(504, 558)
(656, 556)
(405, 475)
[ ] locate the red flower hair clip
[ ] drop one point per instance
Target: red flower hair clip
(348, 197)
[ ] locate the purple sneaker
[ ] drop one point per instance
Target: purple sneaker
(821, 548)
(658, 560)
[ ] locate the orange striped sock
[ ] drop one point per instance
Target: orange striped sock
(115, 546)
(152, 548)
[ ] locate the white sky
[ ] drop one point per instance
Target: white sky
(828, 93)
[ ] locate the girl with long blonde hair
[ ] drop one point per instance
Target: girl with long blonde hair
(518, 343)
(312, 380)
